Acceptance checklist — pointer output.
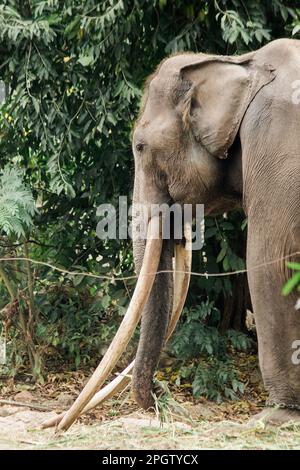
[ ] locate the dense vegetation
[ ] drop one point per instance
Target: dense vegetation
(73, 73)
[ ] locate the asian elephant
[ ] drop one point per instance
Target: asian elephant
(224, 131)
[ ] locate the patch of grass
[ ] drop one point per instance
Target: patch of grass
(144, 431)
(167, 409)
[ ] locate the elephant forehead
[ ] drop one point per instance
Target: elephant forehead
(159, 111)
(157, 124)
(161, 87)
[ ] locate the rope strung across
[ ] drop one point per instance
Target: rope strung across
(135, 276)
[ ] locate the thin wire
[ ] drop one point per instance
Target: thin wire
(127, 278)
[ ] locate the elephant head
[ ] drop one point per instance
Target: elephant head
(185, 146)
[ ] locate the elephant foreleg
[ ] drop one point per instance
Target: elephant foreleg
(277, 320)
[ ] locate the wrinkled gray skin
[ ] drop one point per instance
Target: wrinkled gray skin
(225, 132)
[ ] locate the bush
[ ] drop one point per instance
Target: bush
(205, 353)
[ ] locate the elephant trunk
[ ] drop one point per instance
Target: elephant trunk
(154, 325)
(156, 312)
(159, 306)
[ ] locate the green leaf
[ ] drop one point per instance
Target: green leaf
(226, 265)
(291, 284)
(221, 254)
(293, 265)
(70, 190)
(36, 105)
(245, 36)
(106, 301)
(86, 60)
(210, 232)
(296, 30)
(244, 224)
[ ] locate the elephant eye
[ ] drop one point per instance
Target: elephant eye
(139, 147)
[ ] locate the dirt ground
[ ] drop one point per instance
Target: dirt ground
(19, 429)
(119, 424)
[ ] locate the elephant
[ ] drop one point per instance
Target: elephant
(224, 131)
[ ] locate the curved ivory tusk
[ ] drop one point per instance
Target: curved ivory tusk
(127, 327)
(182, 275)
(183, 262)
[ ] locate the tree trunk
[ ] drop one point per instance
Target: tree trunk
(235, 307)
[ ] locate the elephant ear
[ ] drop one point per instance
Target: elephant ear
(220, 90)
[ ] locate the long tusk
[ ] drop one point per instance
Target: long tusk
(182, 275)
(127, 327)
(183, 263)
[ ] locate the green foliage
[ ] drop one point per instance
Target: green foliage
(247, 24)
(166, 407)
(197, 336)
(17, 206)
(295, 279)
(217, 379)
(294, 282)
(73, 322)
